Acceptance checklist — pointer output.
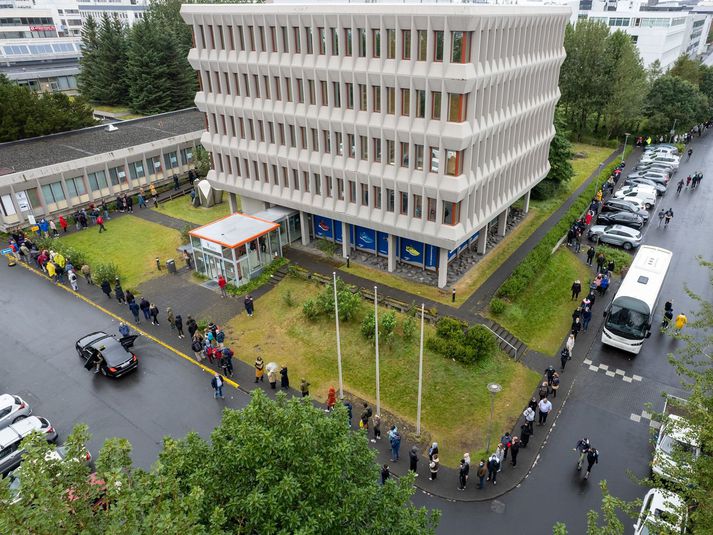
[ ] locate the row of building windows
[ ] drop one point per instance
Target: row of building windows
(334, 143)
(352, 192)
(97, 180)
(323, 41)
(356, 96)
(645, 22)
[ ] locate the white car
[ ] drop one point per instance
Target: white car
(12, 409)
(673, 161)
(675, 435)
(662, 512)
(647, 194)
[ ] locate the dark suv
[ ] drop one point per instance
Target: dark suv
(620, 205)
(112, 355)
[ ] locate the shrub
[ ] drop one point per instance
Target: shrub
(466, 346)
(105, 272)
(288, 298)
(480, 341)
(310, 310)
(409, 328)
(185, 237)
(349, 302)
(367, 327)
(450, 328)
(621, 259)
(388, 324)
(497, 306)
(327, 247)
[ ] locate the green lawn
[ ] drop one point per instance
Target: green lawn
(542, 315)
(181, 208)
(471, 281)
(455, 407)
(131, 243)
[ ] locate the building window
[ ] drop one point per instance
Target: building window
(315, 139)
(376, 43)
(376, 90)
(328, 184)
(317, 184)
(305, 178)
(285, 41)
(246, 85)
(362, 97)
(251, 38)
(324, 93)
(298, 45)
(438, 46)
(451, 213)
(281, 132)
(340, 189)
(363, 147)
(403, 204)
(322, 41)
(117, 175)
(261, 130)
(390, 200)
(337, 95)
(171, 160)
(347, 41)
(417, 206)
(431, 209)
(419, 157)
(404, 154)
(390, 152)
(327, 141)
(309, 45)
(454, 162)
(261, 34)
(390, 100)
(377, 197)
(273, 38)
(97, 180)
(275, 176)
(457, 107)
(420, 103)
(288, 89)
(241, 37)
(352, 192)
(364, 194)
(362, 42)
(285, 178)
(459, 47)
(251, 127)
(338, 143)
(377, 150)
(335, 42)
(75, 186)
(296, 179)
(391, 44)
(436, 105)
(351, 144)
(406, 44)
(271, 132)
(405, 102)
(53, 192)
(312, 93)
(278, 90)
(293, 140)
(434, 160)
(422, 36)
(350, 96)
(266, 83)
(300, 91)
(136, 169)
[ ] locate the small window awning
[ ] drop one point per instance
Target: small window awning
(234, 230)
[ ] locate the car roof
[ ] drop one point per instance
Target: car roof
(111, 349)
(682, 431)
(6, 399)
(665, 500)
(19, 430)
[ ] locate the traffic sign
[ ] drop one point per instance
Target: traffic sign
(6, 251)
(34, 228)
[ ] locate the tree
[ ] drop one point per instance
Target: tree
(110, 67)
(314, 476)
(201, 159)
(654, 72)
(687, 69)
(674, 100)
(560, 157)
(148, 72)
(87, 78)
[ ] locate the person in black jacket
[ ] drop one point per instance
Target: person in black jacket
(463, 474)
(178, 323)
(153, 311)
(576, 288)
(118, 292)
(192, 326)
(144, 305)
(413, 459)
(106, 288)
(129, 297)
(284, 380)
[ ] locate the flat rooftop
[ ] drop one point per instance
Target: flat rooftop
(18, 156)
(234, 230)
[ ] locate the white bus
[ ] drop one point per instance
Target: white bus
(631, 312)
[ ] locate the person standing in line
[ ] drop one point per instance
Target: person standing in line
(227, 361)
(592, 459)
(433, 450)
(564, 357)
(610, 269)
(587, 313)
(141, 198)
(529, 415)
(171, 318)
(153, 310)
(545, 407)
(413, 460)
(249, 306)
(178, 322)
(395, 442)
(376, 425)
(385, 473)
(221, 284)
(304, 388)
(63, 224)
(154, 195)
(576, 288)
(87, 272)
(197, 347)
(463, 474)
(482, 472)
(100, 223)
(544, 390)
(549, 373)
(129, 297)
(514, 450)
(500, 453)
(576, 326)
(524, 435)
(661, 214)
(272, 378)
(493, 468)
(134, 308)
(191, 325)
(217, 384)
(681, 321)
(555, 384)
(601, 260)
(144, 305)
(118, 292)
(72, 276)
(364, 418)
(433, 467)
(590, 255)
(506, 442)
(259, 369)
(284, 379)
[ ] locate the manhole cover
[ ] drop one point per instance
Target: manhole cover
(496, 506)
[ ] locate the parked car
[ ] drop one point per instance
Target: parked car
(626, 237)
(10, 438)
(662, 511)
(660, 188)
(661, 151)
(664, 145)
(12, 409)
(646, 194)
(621, 205)
(675, 435)
(653, 169)
(671, 160)
(628, 219)
(113, 355)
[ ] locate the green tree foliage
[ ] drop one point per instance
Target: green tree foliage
(467, 345)
(24, 113)
(314, 476)
(111, 60)
(687, 69)
(148, 70)
(87, 78)
(672, 99)
(560, 157)
(201, 158)
(653, 72)
(348, 300)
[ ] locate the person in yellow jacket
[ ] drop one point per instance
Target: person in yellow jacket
(599, 196)
(680, 323)
(51, 271)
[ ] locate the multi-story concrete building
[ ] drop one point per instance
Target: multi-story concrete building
(52, 175)
(128, 11)
(400, 130)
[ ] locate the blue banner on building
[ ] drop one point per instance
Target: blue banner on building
(365, 238)
(324, 227)
(411, 251)
(432, 256)
(337, 231)
(382, 240)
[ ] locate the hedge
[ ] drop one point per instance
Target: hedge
(536, 260)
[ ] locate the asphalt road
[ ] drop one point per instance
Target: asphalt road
(165, 396)
(605, 408)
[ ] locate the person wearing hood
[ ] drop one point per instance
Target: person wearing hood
(395, 441)
(144, 305)
(178, 323)
(413, 460)
(171, 318)
(106, 288)
(129, 297)
(191, 325)
(284, 379)
(433, 467)
(134, 308)
(259, 369)
(118, 292)
(433, 450)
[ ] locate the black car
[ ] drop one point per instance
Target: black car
(620, 205)
(113, 355)
(628, 219)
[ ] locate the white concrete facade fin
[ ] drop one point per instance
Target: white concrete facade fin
(424, 123)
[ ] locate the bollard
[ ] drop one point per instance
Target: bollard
(453, 296)
(158, 264)
(347, 260)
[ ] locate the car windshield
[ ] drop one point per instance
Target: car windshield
(669, 445)
(627, 322)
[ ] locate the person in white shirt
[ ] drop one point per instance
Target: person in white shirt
(529, 415)
(545, 407)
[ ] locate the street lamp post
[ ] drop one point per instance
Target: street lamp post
(493, 388)
(627, 134)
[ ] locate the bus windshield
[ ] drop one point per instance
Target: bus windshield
(627, 322)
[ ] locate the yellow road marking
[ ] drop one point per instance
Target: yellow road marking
(120, 319)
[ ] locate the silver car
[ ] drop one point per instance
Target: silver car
(12, 409)
(626, 237)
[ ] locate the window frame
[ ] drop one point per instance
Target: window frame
(406, 45)
(438, 54)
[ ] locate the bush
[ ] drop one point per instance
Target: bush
(327, 247)
(349, 302)
(288, 298)
(480, 341)
(388, 324)
(105, 272)
(367, 327)
(310, 310)
(497, 306)
(621, 258)
(185, 237)
(450, 328)
(466, 346)
(409, 328)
